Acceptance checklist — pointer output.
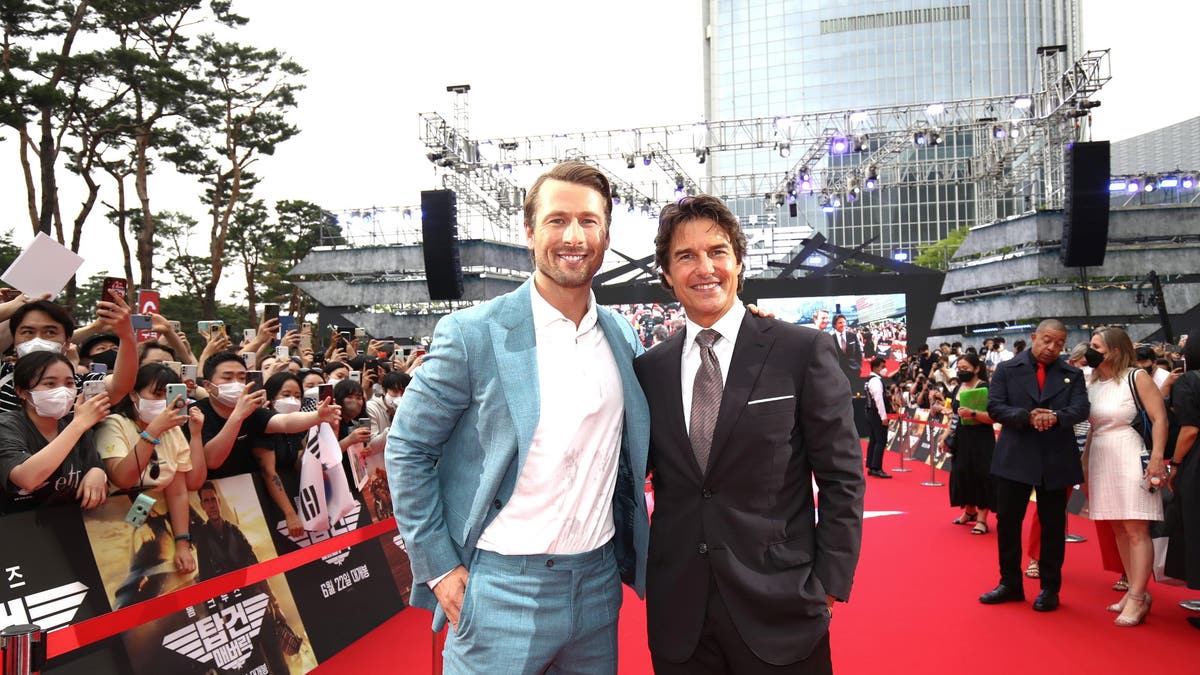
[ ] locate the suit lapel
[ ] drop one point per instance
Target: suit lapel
(515, 347)
(634, 433)
(1055, 381)
(749, 353)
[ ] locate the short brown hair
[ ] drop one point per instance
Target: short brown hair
(1120, 350)
(571, 172)
(699, 207)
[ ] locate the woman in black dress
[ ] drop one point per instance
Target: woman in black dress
(1183, 516)
(974, 441)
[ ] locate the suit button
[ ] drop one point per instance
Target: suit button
(496, 503)
(703, 548)
(706, 493)
(550, 563)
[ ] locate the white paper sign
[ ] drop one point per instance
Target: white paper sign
(45, 266)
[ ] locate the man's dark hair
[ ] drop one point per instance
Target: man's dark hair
(876, 362)
(157, 374)
(86, 349)
(577, 173)
(1019, 346)
(839, 316)
(210, 366)
(1144, 353)
(397, 379)
(154, 344)
(30, 369)
(344, 389)
(55, 311)
(276, 382)
(207, 485)
(699, 207)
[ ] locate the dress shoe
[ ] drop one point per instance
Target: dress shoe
(1046, 601)
(878, 473)
(1001, 594)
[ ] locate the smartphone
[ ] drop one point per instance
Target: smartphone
(362, 422)
(98, 368)
(204, 326)
(306, 341)
(360, 332)
(8, 294)
(286, 323)
(306, 327)
(114, 286)
(175, 366)
(250, 358)
(254, 377)
(177, 392)
(188, 372)
(355, 376)
(324, 391)
(140, 321)
(93, 387)
(270, 312)
(282, 352)
(345, 334)
(175, 326)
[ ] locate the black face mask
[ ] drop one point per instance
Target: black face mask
(966, 375)
(1149, 370)
(1093, 358)
(108, 358)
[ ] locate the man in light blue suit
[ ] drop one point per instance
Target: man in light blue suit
(518, 454)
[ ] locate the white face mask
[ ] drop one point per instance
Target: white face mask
(149, 409)
(335, 380)
(392, 401)
(311, 393)
(287, 405)
(229, 393)
(38, 345)
(53, 403)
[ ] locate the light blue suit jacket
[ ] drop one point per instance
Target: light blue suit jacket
(463, 429)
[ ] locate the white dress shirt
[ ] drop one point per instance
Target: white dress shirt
(562, 501)
(728, 326)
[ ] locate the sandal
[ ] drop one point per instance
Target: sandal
(1032, 571)
(980, 524)
(966, 518)
(1122, 584)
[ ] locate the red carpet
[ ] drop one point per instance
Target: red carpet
(915, 607)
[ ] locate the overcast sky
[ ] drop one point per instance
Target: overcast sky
(543, 66)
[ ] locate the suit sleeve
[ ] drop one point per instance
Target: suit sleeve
(997, 406)
(428, 412)
(834, 450)
(1078, 406)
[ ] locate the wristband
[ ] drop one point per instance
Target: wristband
(148, 438)
(184, 537)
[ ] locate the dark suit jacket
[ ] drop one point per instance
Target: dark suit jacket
(748, 523)
(852, 359)
(1024, 454)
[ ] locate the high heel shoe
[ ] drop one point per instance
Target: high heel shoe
(1125, 622)
(1119, 607)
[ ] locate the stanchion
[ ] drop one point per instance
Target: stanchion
(902, 429)
(24, 650)
(933, 481)
(439, 642)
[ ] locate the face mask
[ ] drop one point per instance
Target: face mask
(229, 393)
(1093, 358)
(38, 345)
(53, 403)
(335, 380)
(287, 405)
(147, 410)
(965, 375)
(392, 401)
(311, 393)
(352, 408)
(108, 358)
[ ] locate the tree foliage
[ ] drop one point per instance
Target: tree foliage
(937, 256)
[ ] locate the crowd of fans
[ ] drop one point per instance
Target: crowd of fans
(90, 413)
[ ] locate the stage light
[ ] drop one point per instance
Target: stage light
(1117, 185)
(701, 155)
(785, 148)
(435, 157)
(839, 145)
(825, 203)
(862, 143)
(804, 180)
(920, 138)
(1150, 185)
(678, 185)
(859, 117)
(646, 159)
(1023, 103)
(1169, 182)
(791, 198)
(508, 169)
(1133, 186)
(836, 201)
(935, 137)
(779, 199)
(629, 161)
(1187, 183)
(616, 197)
(629, 204)
(872, 180)
(407, 214)
(998, 132)
(935, 109)
(900, 256)
(646, 207)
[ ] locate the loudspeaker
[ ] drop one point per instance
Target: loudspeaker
(439, 227)
(1085, 206)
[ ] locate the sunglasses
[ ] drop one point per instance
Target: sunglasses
(154, 471)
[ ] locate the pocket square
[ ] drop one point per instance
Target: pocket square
(768, 400)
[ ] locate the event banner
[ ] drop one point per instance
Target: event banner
(50, 580)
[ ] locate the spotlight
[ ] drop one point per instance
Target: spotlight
(852, 189)
(616, 197)
(646, 207)
(1133, 186)
(1187, 183)
(785, 148)
(900, 256)
(836, 201)
(629, 204)
(678, 185)
(701, 155)
(935, 137)
(920, 138)
(779, 199)
(862, 143)
(628, 161)
(1117, 185)
(507, 168)
(839, 145)
(825, 203)
(435, 157)
(1023, 103)
(1150, 185)
(407, 214)
(805, 180)
(646, 159)
(791, 198)
(998, 132)
(872, 180)
(935, 109)
(1168, 182)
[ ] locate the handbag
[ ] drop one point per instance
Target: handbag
(1141, 421)
(952, 435)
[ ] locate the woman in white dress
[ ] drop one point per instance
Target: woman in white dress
(1112, 461)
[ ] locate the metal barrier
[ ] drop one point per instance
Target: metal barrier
(24, 650)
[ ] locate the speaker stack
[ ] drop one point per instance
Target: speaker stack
(1085, 218)
(439, 227)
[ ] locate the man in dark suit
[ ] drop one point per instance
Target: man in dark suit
(745, 413)
(850, 355)
(1038, 398)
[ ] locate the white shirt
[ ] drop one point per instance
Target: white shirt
(841, 340)
(875, 391)
(728, 326)
(562, 502)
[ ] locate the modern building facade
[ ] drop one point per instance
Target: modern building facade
(787, 58)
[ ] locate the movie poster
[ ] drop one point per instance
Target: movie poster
(240, 632)
(51, 581)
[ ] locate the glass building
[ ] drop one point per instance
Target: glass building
(769, 58)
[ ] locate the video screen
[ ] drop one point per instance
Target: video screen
(652, 321)
(864, 326)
